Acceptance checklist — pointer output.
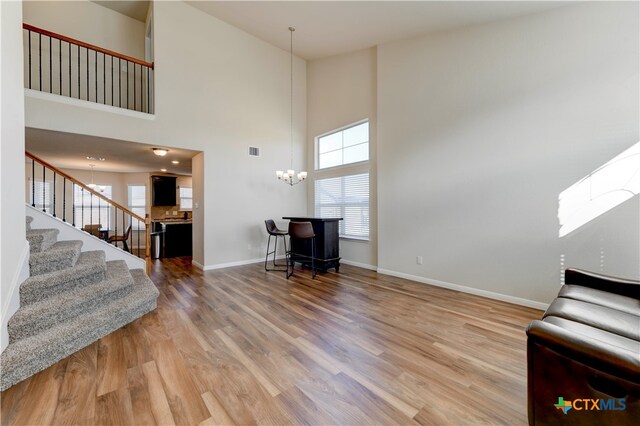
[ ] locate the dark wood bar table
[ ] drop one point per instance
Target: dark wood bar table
(327, 243)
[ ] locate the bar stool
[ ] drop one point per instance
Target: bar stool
(273, 231)
(301, 231)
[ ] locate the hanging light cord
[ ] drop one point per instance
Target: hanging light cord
(291, 30)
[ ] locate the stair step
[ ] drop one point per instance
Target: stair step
(41, 239)
(29, 220)
(62, 254)
(89, 269)
(35, 318)
(28, 356)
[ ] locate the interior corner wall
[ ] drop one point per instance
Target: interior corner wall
(218, 90)
(90, 22)
(198, 175)
(14, 250)
(480, 130)
(342, 90)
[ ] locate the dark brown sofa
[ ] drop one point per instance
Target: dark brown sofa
(586, 350)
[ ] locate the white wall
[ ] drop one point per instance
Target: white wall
(480, 129)
(14, 249)
(342, 90)
(89, 22)
(218, 90)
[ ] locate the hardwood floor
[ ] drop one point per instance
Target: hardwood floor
(244, 346)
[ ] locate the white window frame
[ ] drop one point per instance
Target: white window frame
(139, 226)
(78, 205)
(316, 155)
(360, 167)
(180, 198)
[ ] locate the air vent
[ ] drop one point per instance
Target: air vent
(254, 151)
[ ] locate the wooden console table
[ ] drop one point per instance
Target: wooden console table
(327, 243)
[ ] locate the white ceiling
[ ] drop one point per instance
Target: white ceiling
(327, 28)
(69, 151)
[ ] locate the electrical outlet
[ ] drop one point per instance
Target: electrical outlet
(419, 260)
(175, 212)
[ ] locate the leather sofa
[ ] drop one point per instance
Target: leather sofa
(583, 357)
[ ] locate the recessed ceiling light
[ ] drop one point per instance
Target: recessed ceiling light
(161, 152)
(175, 162)
(163, 170)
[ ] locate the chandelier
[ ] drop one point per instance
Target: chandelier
(289, 177)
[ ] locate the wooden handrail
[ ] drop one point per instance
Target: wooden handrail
(86, 45)
(85, 187)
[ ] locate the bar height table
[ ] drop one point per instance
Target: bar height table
(327, 243)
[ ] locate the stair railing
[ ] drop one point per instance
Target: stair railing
(75, 69)
(66, 198)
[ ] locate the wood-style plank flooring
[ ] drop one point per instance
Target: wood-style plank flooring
(244, 346)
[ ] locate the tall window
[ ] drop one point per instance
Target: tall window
(346, 197)
(345, 146)
(137, 201)
(41, 195)
(186, 199)
(90, 209)
(344, 191)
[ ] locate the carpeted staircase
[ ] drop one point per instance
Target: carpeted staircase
(71, 299)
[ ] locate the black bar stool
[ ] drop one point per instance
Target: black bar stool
(273, 231)
(302, 232)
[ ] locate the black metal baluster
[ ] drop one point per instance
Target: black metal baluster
(112, 81)
(78, 72)
(96, 74)
(82, 207)
(119, 82)
(44, 174)
(64, 199)
(50, 67)
(54, 193)
(29, 59)
(148, 92)
(127, 84)
(115, 231)
(99, 212)
(123, 217)
(33, 183)
(87, 50)
(69, 69)
(40, 61)
(60, 65)
(73, 203)
(90, 202)
(104, 79)
(134, 86)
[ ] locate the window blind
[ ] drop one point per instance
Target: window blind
(346, 197)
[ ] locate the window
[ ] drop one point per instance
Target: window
(90, 209)
(186, 199)
(137, 203)
(345, 146)
(346, 197)
(41, 195)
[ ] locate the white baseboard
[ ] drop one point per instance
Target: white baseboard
(464, 289)
(230, 264)
(11, 305)
(359, 265)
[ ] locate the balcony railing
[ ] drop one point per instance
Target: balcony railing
(67, 67)
(66, 198)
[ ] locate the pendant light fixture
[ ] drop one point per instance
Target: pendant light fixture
(92, 185)
(289, 177)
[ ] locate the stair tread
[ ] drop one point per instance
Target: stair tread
(89, 262)
(42, 233)
(27, 356)
(63, 306)
(60, 255)
(58, 249)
